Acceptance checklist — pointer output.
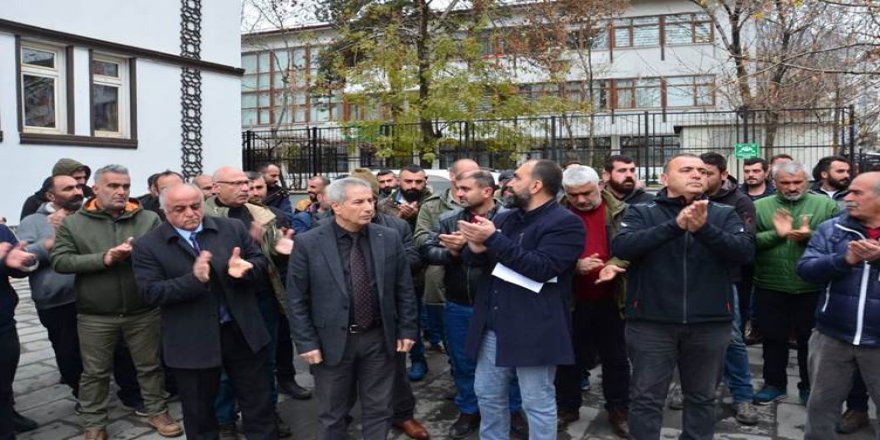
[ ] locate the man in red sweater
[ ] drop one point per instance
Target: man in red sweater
(597, 326)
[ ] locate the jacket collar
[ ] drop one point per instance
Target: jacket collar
(169, 233)
(663, 197)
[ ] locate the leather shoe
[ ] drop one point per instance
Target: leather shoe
(95, 434)
(293, 389)
(466, 425)
(282, 426)
(618, 419)
(519, 427)
(413, 429)
(165, 425)
(21, 423)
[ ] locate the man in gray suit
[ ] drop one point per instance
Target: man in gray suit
(351, 307)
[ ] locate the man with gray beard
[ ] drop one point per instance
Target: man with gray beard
(783, 299)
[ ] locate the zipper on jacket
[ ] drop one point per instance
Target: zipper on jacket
(121, 287)
(685, 279)
(863, 289)
(827, 297)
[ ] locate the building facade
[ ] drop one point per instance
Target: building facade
(152, 85)
(659, 55)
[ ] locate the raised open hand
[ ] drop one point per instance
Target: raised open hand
(238, 267)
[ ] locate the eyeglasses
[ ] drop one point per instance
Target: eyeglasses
(236, 183)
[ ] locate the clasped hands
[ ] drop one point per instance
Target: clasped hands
(694, 216)
(237, 267)
(476, 233)
(862, 250)
(783, 222)
(15, 257)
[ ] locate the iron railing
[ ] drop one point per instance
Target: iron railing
(650, 138)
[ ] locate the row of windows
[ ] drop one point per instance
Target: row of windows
(629, 94)
(44, 91)
(275, 88)
(618, 94)
(650, 31)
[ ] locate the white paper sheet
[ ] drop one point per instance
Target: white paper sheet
(511, 276)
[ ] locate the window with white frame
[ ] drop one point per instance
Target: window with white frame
(43, 89)
(110, 96)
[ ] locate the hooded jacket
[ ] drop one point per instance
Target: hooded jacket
(676, 276)
(80, 244)
(49, 289)
(849, 308)
(64, 167)
(777, 257)
(638, 195)
(816, 188)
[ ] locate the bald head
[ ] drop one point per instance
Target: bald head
(183, 206)
(205, 184)
(231, 186)
(462, 166)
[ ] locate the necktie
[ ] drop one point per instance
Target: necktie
(360, 285)
(223, 311)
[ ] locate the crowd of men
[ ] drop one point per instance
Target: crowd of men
(201, 290)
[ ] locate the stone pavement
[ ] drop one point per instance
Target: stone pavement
(39, 396)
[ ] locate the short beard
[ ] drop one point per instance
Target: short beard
(411, 195)
(838, 184)
(620, 188)
(794, 198)
(72, 205)
(521, 202)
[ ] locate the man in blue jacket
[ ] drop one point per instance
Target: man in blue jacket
(843, 255)
(679, 296)
(521, 323)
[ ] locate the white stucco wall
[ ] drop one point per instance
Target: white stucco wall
(153, 25)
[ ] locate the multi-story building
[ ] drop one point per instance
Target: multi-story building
(661, 85)
(152, 85)
(659, 55)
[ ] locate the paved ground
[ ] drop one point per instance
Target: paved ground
(40, 396)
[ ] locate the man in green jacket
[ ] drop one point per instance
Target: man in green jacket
(784, 301)
(95, 243)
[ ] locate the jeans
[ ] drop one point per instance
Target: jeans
(492, 387)
(417, 353)
(778, 313)
(654, 350)
(9, 354)
(98, 336)
(832, 364)
(458, 318)
(737, 376)
(224, 404)
(597, 327)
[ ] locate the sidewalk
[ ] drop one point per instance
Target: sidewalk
(39, 395)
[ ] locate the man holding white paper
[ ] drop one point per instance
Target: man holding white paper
(521, 322)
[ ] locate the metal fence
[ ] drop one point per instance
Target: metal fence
(651, 138)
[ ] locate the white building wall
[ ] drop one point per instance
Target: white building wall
(153, 25)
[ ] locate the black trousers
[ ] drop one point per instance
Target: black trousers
(596, 328)
(60, 324)
(198, 388)
(403, 399)
(9, 354)
(366, 365)
(284, 369)
(778, 314)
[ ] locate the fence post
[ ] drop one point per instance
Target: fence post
(553, 147)
(649, 155)
(852, 131)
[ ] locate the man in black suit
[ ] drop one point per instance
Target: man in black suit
(201, 271)
(351, 309)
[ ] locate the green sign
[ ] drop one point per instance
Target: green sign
(746, 151)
